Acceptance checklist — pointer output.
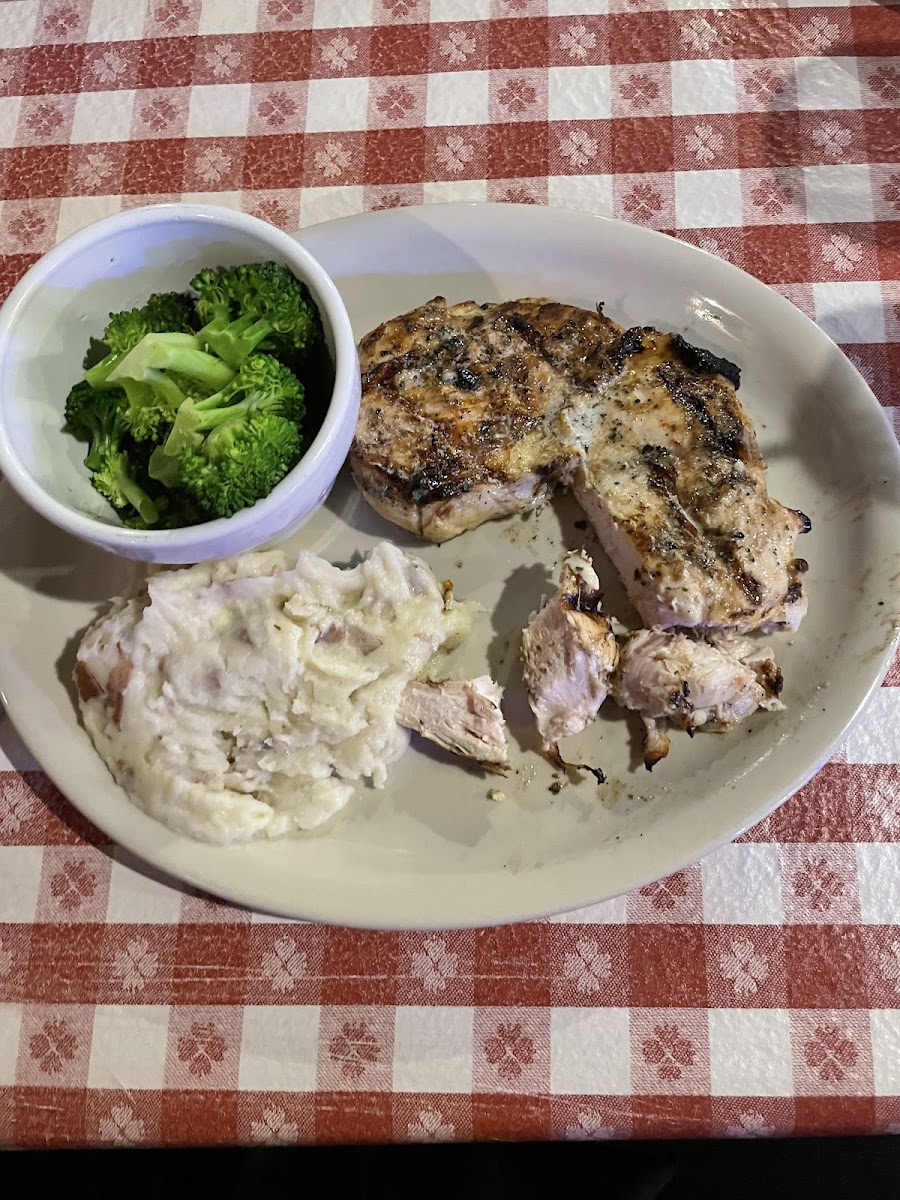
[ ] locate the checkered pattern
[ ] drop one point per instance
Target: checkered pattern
(754, 994)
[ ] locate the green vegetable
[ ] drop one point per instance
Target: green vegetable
(150, 410)
(166, 312)
(191, 407)
(258, 306)
(248, 434)
(262, 383)
(239, 462)
(175, 510)
(180, 352)
(96, 417)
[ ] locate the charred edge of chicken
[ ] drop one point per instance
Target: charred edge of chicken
(705, 362)
(694, 358)
(447, 477)
(554, 756)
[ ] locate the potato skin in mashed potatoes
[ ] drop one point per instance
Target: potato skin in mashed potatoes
(244, 698)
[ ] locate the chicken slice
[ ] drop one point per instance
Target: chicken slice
(709, 684)
(569, 653)
(461, 715)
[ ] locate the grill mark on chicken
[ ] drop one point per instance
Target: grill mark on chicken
(693, 543)
(723, 549)
(565, 337)
(472, 412)
(723, 431)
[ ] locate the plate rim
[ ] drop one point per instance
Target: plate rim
(247, 895)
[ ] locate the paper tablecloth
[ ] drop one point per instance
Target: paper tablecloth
(756, 993)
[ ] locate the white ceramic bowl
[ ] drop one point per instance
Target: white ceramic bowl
(66, 297)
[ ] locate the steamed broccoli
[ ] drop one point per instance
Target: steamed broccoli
(154, 402)
(259, 306)
(172, 352)
(261, 384)
(239, 462)
(230, 449)
(175, 508)
(96, 417)
(166, 312)
(186, 423)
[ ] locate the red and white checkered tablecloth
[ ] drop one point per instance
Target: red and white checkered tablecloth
(757, 993)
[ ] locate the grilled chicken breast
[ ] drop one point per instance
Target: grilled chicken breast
(463, 716)
(471, 412)
(695, 684)
(675, 486)
(462, 407)
(568, 654)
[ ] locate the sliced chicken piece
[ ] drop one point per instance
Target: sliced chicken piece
(461, 715)
(461, 412)
(568, 653)
(696, 684)
(675, 486)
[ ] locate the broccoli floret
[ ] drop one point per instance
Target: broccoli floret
(180, 353)
(240, 462)
(177, 509)
(114, 481)
(261, 384)
(152, 405)
(258, 306)
(173, 311)
(184, 424)
(97, 417)
(147, 415)
(166, 312)
(248, 434)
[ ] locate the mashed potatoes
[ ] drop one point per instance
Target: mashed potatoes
(243, 697)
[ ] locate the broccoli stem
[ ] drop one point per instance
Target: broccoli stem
(138, 499)
(195, 419)
(164, 468)
(98, 375)
(168, 389)
(151, 391)
(179, 352)
(114, 481)
(235, 341)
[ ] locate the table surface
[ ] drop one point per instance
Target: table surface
(756, 993)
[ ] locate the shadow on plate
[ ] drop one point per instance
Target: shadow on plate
(441, 819)
(65, 669)
(849, 483)
(13, 748)
(345, 501)
(41, 558)
(521, 595)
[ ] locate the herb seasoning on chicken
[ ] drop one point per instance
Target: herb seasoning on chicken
(471, 412)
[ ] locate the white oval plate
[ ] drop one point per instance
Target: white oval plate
(432, 850)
